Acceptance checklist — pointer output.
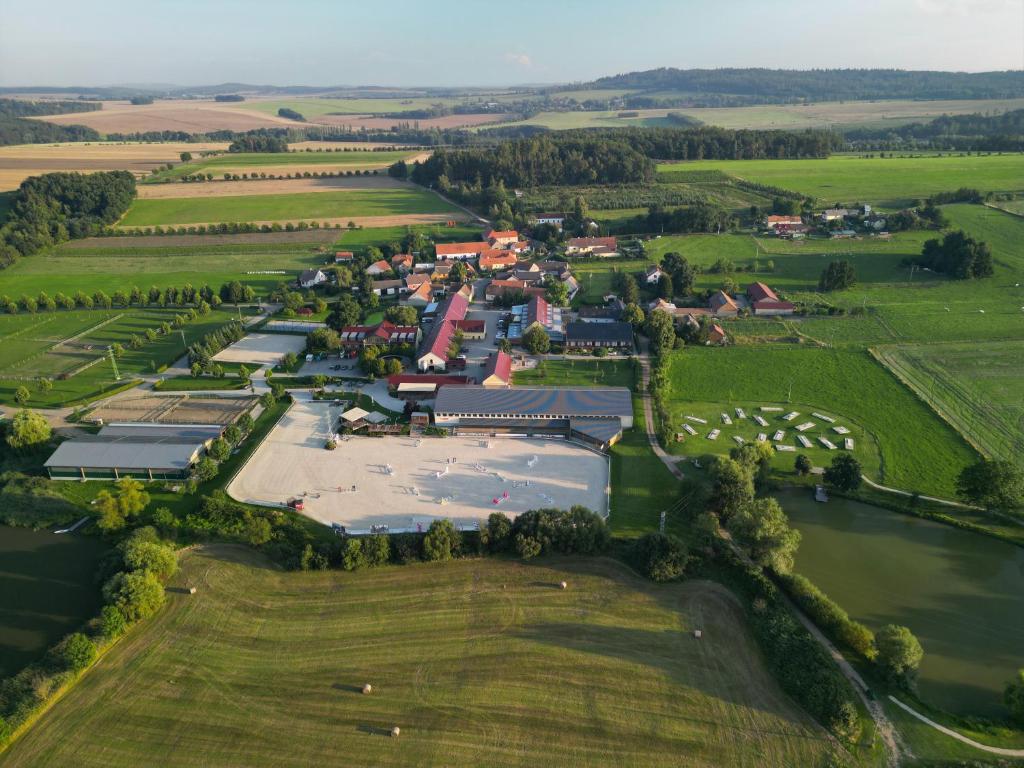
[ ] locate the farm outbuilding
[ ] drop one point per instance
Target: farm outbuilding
(145, 455)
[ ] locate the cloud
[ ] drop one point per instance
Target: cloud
(520, 59)
(963, 7)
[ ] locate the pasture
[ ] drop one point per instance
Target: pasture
(18, 162)
(408, 205)
(916, 450)
(47, 589)
(960, 593)
(890, 182)
(479, 662)
(64, 343)
(978, 387)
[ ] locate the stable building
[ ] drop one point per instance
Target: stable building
(141, 451)
(587, 337)
(594, 415)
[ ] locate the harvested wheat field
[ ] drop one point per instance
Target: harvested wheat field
(310, 236)
(268, 186)
(188, 116)
(355, 122)
(20, 161)
(478, 662)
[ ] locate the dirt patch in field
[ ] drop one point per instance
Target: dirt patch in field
(188, 116)
(310, 236)
(19, 162)
(267, 187)
(355, 122)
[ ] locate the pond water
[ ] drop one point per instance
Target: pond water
(962, 594)
(47, 589)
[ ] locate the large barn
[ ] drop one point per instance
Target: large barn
(596, 415)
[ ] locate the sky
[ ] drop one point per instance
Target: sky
(481, 43)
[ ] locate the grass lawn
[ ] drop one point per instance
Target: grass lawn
(259, 656)
(578, 373)
(35, 354)
(306, 206)
(977, 387)
(886, 182)
(917, 451)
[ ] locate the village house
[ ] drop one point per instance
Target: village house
(356, 337)
(378, 268)
(500, 288)
(764, 301)
(589, 336)
(310, 278)
(494, 258)
(501, 237)
(343, 257)
(433, 352)
(723, 304)
(554, 219)
(717, 335)
(388, 287)
(652, 275)
(497, 370)
(401, 262)
(461, 251)
(783, 221)
(593, 246)
(420, 295)
(475, 330)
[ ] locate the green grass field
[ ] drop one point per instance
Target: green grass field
(577, 373)
(306, 206)
(479, 662)
(976, 387)
(916, 450)
(44, 348)
(279, 162)
(885, 182)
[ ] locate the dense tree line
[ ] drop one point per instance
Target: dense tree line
(16, 130)
(974, 132)
(55, 207)
(258, 143)
(701, 217)
(140, 101)
(27, 108)
(291, 114)
(202, 351)
(781, 86)
(544, 160)
(228, 97)
(711, 143)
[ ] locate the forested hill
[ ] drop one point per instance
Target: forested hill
(780, 85)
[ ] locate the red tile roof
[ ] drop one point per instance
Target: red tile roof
(721, 300)
(784, 220)
(760, 292)
(453, 308)
(498, 364)
(381, 265)
(593, 242)
(458, 249)
(344, 256)
(471, 326)
(502, 234)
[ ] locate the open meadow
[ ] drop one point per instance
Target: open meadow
(478, 662)
(409, 204)
(829, 114)
(916, 450)
(890, 182)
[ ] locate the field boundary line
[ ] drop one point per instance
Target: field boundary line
(909, 494)
(1004, 751)
(87, 331)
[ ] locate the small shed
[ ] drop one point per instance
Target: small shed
(352, 415)
(419, 419)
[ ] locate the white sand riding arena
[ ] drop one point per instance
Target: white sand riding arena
(261, 348)
(405, 483)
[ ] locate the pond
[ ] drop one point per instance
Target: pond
(47, 589)
(961, 593)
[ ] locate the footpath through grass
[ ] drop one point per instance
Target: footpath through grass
(263, 667)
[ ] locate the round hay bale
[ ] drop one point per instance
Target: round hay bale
(367, 688)
(395, 731)
(697, 634)
(563, 585)
(191, 590)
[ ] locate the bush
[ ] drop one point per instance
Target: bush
(406, 547)
(660, 557)
(499, 532)
(76, 652)
(899, 654)
(352, 557)
(112, 622)
(442, 541)
(376, 549)
(828, 615)
(576, 531)
(151, 557)
(136, 595)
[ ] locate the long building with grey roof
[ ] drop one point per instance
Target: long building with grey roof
(596, 415)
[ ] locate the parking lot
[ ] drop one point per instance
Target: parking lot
(405, 483)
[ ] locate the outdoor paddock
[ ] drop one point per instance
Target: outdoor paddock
(173, 409)
(261, 349)
(292, 461)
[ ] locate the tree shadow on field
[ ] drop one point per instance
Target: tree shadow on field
(374, 730)
(348, 688)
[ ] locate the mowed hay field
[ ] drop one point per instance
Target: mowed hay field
(891, 182)
(190, 116)
(916, 450)
(405, 205)
(478, 662)
(18, 162)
